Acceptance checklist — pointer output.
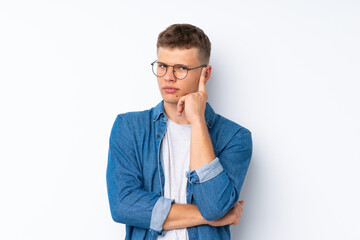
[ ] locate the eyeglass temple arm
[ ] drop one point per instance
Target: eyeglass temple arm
(198, 67)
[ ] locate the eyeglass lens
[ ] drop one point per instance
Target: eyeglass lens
(160, 69)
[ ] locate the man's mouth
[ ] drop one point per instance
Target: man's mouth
(170, 89)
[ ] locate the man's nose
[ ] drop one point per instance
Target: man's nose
(169, 75)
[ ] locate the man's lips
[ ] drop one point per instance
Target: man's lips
(170, 89)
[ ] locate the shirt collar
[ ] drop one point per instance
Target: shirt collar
(209, 113)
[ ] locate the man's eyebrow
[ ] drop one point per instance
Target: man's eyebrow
(178, 64)
(183, 65)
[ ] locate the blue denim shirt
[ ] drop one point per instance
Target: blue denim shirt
(135, 177)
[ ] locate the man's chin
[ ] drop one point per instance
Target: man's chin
(171, 101)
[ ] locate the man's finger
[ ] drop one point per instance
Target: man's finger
(180, 106)
(202, 87)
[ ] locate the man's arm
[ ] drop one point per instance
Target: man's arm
(216, 185)
(131, 204)
(215, 181)
(182, 216)
(201, 148)
(188, 215)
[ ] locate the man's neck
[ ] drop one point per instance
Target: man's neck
(171, 112)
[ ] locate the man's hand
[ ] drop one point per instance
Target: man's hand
(195, 102)
(232, 217)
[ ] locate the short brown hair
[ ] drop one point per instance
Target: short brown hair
(186, 36)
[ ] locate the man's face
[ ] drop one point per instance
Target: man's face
(190, 84)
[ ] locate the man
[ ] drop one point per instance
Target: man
(175, 171)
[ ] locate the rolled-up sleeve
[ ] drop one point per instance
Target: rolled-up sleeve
(206, 172)
(129, 202)
(216, 186)
(159, 214)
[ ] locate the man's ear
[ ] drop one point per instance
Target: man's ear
(208, 73)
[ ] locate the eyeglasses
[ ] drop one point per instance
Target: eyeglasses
(179, 71)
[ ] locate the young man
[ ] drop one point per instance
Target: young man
(175, 171)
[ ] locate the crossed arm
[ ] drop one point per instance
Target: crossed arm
(216, 196)
(188, 215)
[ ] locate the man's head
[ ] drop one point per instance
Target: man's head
(186, 36)
(187, 47)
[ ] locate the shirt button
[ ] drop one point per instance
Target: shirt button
(158, 135)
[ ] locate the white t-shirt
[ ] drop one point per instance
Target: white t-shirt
(175, 150)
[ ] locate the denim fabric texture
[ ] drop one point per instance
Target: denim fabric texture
(135, 177)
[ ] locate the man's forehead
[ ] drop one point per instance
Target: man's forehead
(189, 55)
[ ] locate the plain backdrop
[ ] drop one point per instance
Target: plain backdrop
(286, 70)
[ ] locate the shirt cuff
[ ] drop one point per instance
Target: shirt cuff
(159, 214)
(206, 172)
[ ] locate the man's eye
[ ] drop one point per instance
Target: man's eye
(162, 66)
(182, 68)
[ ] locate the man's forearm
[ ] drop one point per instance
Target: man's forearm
(201, 149)
(182, 216)
(188, 215)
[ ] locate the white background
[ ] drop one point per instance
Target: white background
(286, 70)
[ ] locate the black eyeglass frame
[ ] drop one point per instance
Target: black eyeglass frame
(173, 66)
